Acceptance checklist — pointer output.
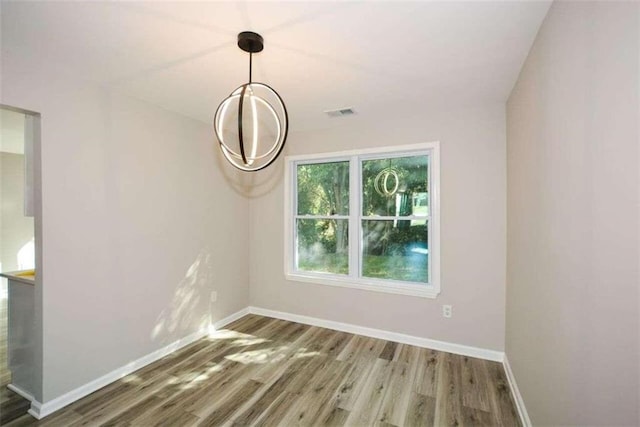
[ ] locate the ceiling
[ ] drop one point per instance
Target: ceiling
(382, 58)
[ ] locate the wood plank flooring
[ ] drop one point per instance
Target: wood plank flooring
(12, 406)
(262, 371)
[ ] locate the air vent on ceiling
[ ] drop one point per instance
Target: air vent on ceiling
(340, 112)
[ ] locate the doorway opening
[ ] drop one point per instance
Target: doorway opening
(17, 231)
(20, 253)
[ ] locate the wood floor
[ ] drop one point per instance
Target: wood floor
(12, 406)
(263, 371)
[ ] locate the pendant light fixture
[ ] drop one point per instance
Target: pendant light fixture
(252, 123)
(387, 182)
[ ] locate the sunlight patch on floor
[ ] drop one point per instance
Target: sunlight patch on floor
(132, 379)
(304, 353)
(267, 355)
(200, 378)
(249, 341)
(227, 334)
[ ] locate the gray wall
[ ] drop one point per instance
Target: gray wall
(473, 231)
(16, 230)
(139, 225)
(572, 281)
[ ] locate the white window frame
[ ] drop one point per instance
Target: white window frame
(355, 157)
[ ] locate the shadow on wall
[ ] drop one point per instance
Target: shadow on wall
(187, 311)
(250, 184)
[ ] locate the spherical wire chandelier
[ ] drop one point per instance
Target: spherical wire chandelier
(252, 123)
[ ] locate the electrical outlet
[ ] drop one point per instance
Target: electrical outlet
(447, 311)
(214, 296)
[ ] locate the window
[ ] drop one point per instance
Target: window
(365, 219)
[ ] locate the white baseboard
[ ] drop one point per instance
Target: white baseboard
(21, 392)
(36, 410)
(464, 350)
(41, 410)
(515, 392)
(231, 318)
(29, 397)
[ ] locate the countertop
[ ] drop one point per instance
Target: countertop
(25, 276)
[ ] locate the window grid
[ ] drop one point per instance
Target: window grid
(355, 231)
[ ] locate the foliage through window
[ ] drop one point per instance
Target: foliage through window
(366, 219)
(322, 219)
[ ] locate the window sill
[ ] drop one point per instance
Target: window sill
(423, 291)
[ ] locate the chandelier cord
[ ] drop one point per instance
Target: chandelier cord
(250, 66)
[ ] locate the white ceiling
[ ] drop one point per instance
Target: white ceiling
(382, 58)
